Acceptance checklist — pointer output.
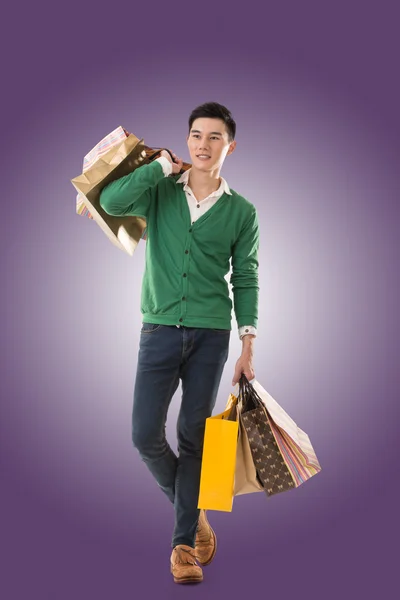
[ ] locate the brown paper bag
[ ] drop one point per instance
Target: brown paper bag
(246, 478)
(117, 154)
(119, 160)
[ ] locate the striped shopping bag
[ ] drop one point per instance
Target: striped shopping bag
(282, 452)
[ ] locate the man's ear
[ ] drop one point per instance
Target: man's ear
(232, 146)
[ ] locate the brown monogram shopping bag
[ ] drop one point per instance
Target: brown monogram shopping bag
(282, 454)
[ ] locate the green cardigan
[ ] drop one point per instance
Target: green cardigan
(184, 278)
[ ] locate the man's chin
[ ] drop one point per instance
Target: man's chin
(203, 165)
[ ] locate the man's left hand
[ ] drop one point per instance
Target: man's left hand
(243, 365)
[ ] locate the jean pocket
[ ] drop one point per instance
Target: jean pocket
(150, 327)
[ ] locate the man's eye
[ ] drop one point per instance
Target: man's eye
(213, 137)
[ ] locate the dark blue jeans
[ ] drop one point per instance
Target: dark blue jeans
(197, 356)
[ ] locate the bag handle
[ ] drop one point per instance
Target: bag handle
(158, 150)
(150, 157)
(249, 396)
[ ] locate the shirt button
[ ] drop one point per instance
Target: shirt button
(198, 206)
(246, 329)
(186, 251)
(184, 274)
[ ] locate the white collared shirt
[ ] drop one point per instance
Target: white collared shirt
(198, 208)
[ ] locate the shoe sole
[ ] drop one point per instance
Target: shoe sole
(187, 579)
(215, 546)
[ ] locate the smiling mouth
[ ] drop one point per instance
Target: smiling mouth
(203, 156)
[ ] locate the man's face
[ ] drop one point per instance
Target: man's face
(208, 143)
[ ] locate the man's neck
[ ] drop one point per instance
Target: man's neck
(204, 182)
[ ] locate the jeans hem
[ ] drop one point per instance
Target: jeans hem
(185, 542)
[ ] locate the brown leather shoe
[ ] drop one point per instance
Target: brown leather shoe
(183, 565)
(206, 540)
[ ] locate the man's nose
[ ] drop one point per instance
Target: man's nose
(203, 145)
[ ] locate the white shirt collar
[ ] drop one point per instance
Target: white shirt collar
(224, 187)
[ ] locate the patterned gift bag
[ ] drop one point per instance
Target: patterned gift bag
(268, 461)
(282, 453)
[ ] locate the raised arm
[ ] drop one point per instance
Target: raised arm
(133, 194)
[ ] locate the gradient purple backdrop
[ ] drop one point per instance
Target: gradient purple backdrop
(315, 94)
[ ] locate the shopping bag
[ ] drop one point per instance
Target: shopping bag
(110, 140)
(114, 156)
(283, 457)
(268, 461)
(218, 461)
(117, 154)
(247, 480)
(293, 442)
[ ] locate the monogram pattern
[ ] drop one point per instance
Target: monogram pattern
(270, 465)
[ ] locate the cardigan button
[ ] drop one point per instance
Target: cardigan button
(184, 274)
(190, 230)
(181, 319)
(186, 251)
(183, 297)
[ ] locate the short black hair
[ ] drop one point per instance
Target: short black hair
(213, 110)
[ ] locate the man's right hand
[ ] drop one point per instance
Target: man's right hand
(177, 163)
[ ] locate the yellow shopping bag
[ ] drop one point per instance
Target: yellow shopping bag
(219, 460)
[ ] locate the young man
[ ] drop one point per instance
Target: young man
(195, 224)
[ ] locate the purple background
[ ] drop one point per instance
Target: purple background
(315, 93)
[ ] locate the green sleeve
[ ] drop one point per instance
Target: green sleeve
(133, 194)
(244, 277)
